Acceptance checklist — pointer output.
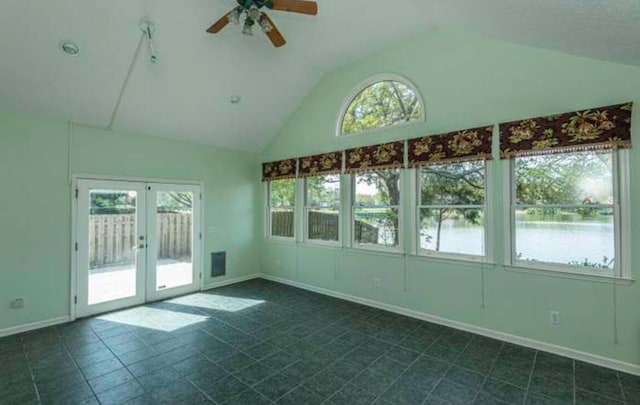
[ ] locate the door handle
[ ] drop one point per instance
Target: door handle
(141, 246)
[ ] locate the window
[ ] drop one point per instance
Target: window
(282, 194)
(381, 102)
(451, 209)
(322, 208)
(376, 209)
(564, 213)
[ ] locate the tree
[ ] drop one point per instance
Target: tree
(450, 185)
(582, 178)
(282, 193)
(380, 105)
(387, 182)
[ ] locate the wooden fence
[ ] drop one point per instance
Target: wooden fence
(322, 226)
(114, 237)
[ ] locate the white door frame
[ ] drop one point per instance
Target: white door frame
(82, 254)
(152, 293)
(74, 237)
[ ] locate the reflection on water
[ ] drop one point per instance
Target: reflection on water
(561, 242)
(546, 241)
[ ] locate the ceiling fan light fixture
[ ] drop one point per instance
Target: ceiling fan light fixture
(248, 26)
(234, 16)
(254, 13)
(265, 24)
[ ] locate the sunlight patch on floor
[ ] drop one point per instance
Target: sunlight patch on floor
(216, 302)
(154, 318)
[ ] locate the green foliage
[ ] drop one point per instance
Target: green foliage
(175, 202)
(323, 191)
(387, 184)
(451, 185)
(380, 105)
(575, 178)
(112, 203)
(282, 192)
(606, 263)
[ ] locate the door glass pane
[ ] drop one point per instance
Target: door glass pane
(174, 233)
(112, 245)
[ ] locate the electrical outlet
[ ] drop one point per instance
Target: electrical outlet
(376, 282)
(554, 317)
(17, 303)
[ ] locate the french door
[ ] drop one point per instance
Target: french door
(136, 242)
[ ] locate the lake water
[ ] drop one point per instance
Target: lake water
(556, 242)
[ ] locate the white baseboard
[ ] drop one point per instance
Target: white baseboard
(229, 281)
(34, 325)
(506, 337)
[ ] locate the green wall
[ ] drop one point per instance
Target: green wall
(467, 82)
(35, 208)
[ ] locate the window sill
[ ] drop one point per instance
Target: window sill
(574, 275)
(461, 261)
(322, 245)
(380, 252)
(284, 241)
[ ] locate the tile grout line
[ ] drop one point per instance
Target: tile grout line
(382, 355)
(453, 362)
(573, 375)
(493, 364)
(340, 358)
(126, 367)
(621, 388)
(95, 395)
(420, 354)
(33, 377)
(533, 367)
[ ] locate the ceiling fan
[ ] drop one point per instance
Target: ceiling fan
(254, 15)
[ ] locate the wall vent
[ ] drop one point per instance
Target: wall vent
(218, 264)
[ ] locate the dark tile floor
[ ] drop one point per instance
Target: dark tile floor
(261, 342)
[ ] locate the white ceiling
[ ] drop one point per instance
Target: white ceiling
(186, 95)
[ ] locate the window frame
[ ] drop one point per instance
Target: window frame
(489, 234)
(269, 208)
(355, 92)
(621, 213)
(305, 212)
(399, 249)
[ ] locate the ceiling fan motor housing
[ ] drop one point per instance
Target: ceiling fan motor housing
(258, 3)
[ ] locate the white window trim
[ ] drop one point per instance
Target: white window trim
(368, 82)
(268, 235)
(489, 233)
(375, 248)
(621, 207)
(305, 213)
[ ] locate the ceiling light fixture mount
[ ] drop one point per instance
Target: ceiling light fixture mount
(148, 29)
(235, 99)
(69, 48)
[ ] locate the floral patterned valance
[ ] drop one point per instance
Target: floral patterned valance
(376, 157)
(454, 147)
(283, 169)
(597, 128)
(316, 165)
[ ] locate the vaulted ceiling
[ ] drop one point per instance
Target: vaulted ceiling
(186, 94)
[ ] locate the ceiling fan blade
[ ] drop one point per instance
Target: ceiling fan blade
(296, 6)
(220, 24)
(274, 34)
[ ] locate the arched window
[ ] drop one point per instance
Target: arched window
(382, 101)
